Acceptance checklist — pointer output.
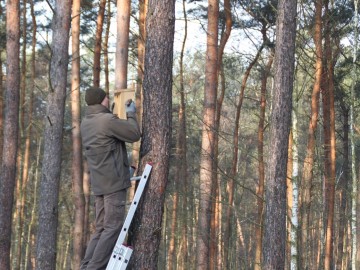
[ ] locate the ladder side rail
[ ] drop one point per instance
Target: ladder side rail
(134, 204)
(121, 254)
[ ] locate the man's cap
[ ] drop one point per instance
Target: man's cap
(94, 95)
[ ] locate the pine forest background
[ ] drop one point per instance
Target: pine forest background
(205, 77)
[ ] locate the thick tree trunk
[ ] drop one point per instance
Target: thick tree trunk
(77, 168)
(98, 38)
(155, 145)
(11, 130)
(275, 212)
(51, 165)
(206, 162)
(307, 174)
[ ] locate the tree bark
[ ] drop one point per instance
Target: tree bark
(98, 38)
(207, 153)
(11, 129)
(275, 211)
(50, 179)
(77, 168)
(155, 145)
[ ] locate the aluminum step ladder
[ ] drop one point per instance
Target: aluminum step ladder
(121, 254)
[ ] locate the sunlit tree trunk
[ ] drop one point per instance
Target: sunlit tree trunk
(122, 44)
(11, 129)
(275, 211)
(307, 173)
(98, 39)
(77, 168)
(51, 164)
(155, 144)
(207, 152)
(215, 243)
(329, 142)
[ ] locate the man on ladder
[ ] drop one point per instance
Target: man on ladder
(104, 136)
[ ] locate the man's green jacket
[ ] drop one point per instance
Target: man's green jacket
(103, 138)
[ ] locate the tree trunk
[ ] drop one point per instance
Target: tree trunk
(215, 254)
(206, 162)
(106, 46)
(234, 163)
(30, 244)
(295, 185)
(21, 166)
(98, 38)
(28, 137)
(307, 174)
(51, 165)
(122, 43)
(180, 155)
(77, 168)
(290, 202)
(140, 75)
(344, 189)
(261, 168)
(355, 258)
(11, 130)
(155, 145)
(275, 212)
(329, 141)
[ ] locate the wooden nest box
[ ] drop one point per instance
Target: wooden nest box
(120, 97)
